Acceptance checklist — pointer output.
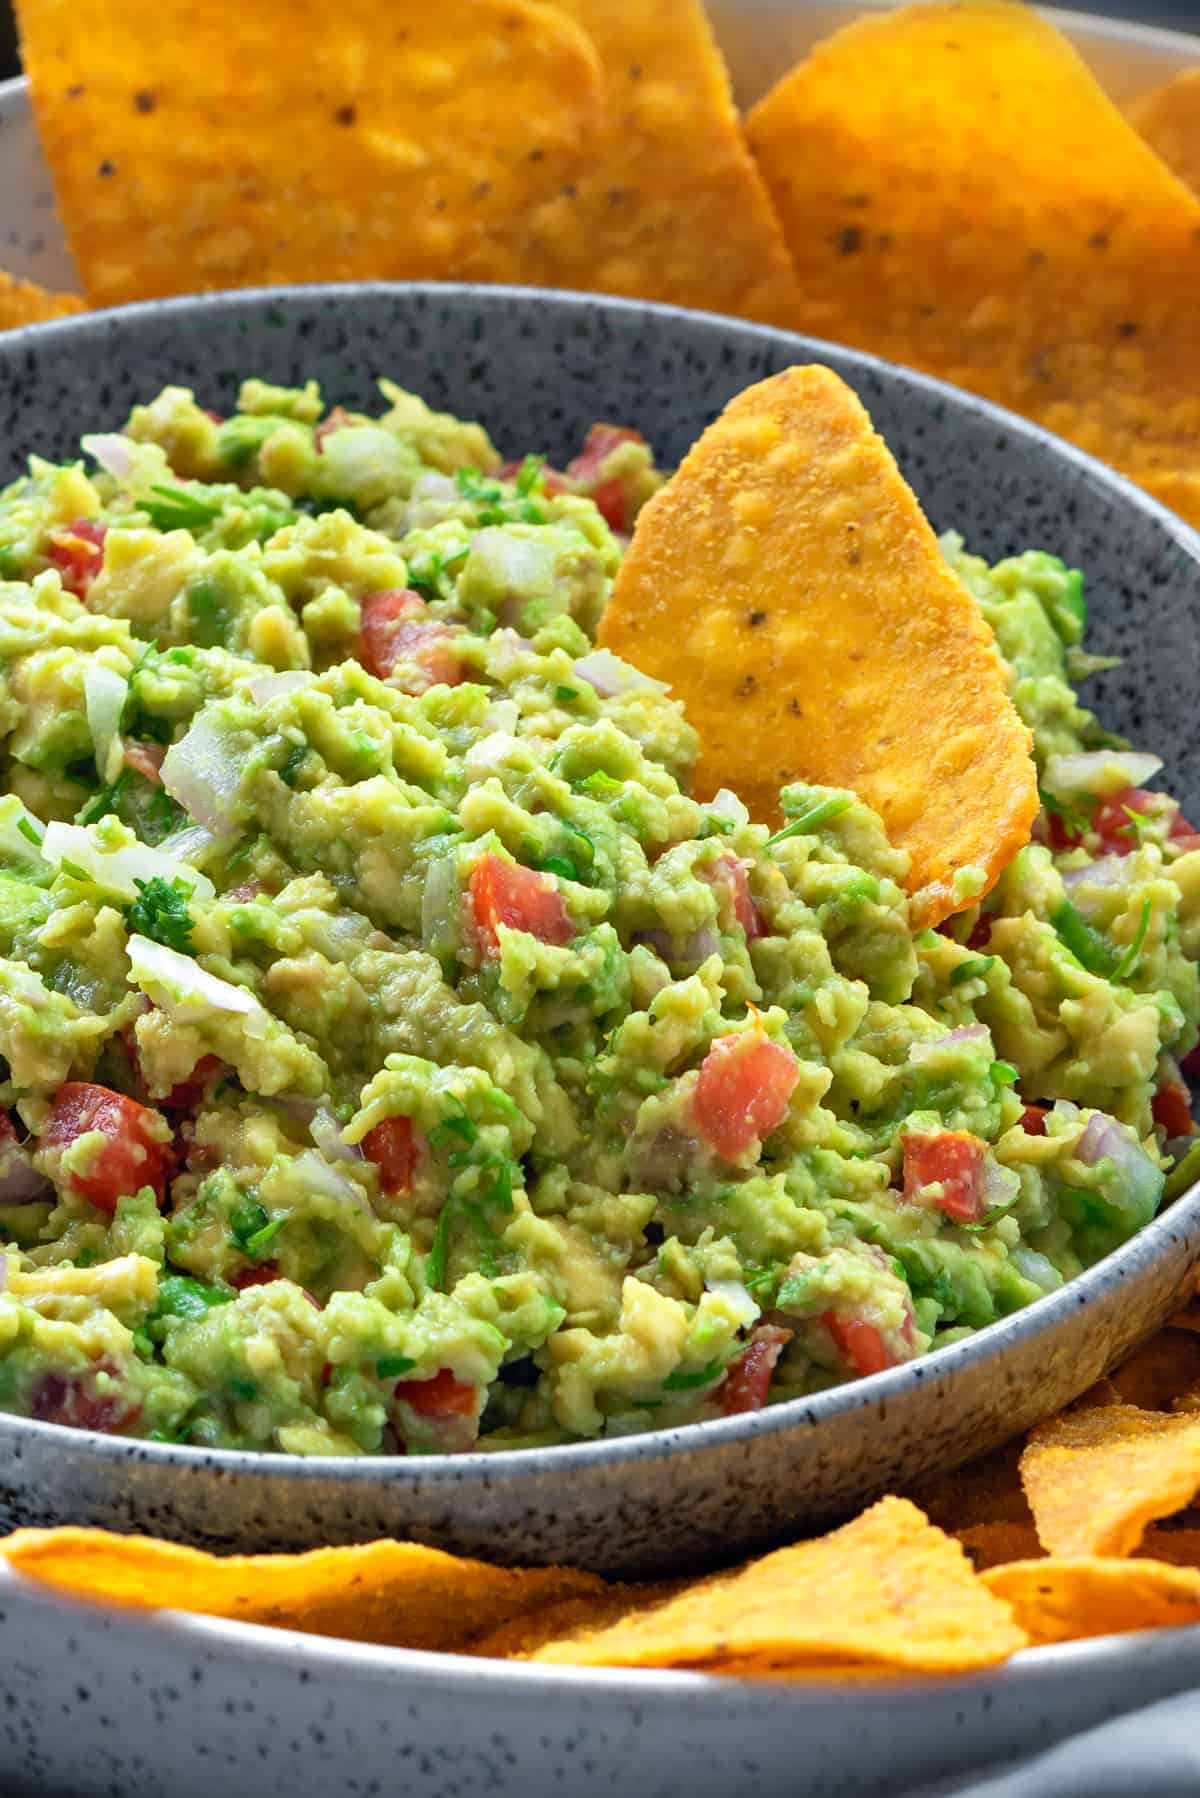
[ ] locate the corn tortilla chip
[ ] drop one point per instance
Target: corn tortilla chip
(1161, 1371)
(993, 1544)
(959, 194)
(397, 1593)
(1096, 1478)
(888, 1590)
(1169, 119)
(574, 1617)
(670, 205)
(24, 303)
(1062, 1600)
(788, 586)
(381, 140)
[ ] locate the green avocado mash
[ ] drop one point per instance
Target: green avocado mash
(397, 1059)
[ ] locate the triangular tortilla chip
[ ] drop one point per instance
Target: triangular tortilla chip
(788, 586)
(23, 303)
(995, 1544)
(888, 1590)
(670, 205)
(959, 194)
(1096, 1478)
(391, 1592)
(1169, 119)
(1062, 1600)
(380, 140)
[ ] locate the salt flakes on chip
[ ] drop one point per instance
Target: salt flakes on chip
(787, 584)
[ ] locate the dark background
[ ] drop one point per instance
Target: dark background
(1183, 14)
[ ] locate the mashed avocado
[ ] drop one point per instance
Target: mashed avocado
(397, 1059)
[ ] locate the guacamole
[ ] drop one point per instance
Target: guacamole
(396, 1058)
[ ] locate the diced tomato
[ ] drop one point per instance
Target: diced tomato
(442, 1396)
(262, 1275)
(610, 496)
(72, 1399)
(506, 893)
(742, 1094)
(1191, 1063)
(145, 759)
(397, 627)
(860, 1343)
(1033, 1120)
(8, 1131)
(391, 1147)
(77, 551)
(191, 1093)
(130, 1157)
(1187, 842)
(1181, 830)
(336, 421)
(1115, 828)
(1171, 1107)
(732, 872)
(746, 1384)
(952, 1158)
(981, 933)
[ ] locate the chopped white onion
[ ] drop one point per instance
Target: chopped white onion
(193, 841)
(1108, 871)
(968, 1033)
(1037, 1268)
(696, 947)
(1001, 1185)
(181, 986)
(326, 1132)
(728, 805)
(504, 647)
(317, 1175)
(441, 907)
(104, 696)
(266, 687)
(514, 566)
(491, 753)
(1099, 771)
(505, 715)
(736, 1300)
(611, 676)
(118, 870)
(1134, 1174)
(202, 772)
(112, 451)
(19, 848)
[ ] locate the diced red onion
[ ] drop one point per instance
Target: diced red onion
(112, 451)
(1108, 871)
(189, 844)
(611, 676)
(20, 1182)
(696, 947)
(327, 1134)
(316, 1173)
(266, 687)
(304, 1110)
(1099, 771)
(1103, 1139)
(967, 1033)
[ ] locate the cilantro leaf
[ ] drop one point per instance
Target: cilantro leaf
(160, 912)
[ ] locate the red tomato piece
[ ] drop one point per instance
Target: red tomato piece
(77, 551)
(1113, 825)
(506, 893)
(1191, 1063)
(191, 1093)
(391, 1147)
(952, 1158)
(743, 1091)
(1033, 1120)
(442, 1396)
(145, 759)
(749, 1377)
(981, 934)
(609, 496)
(732, 872)
(131, 1155)
(255, 1276)
(396, 627)
(336, 421)
(72, 1399)
(8, 1131)
(1171, 1107)
(860, 1343)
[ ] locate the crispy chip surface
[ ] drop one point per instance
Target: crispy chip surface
(1062, 1600)
(993, 1544)
(1095, 1478)
(788, 586)
(397, 1593)
(24, 303)
(670, 205)
(959, 194)
(574, 1617)
(888, 1590)
(1168, 117)
(381, 140)
(1160, 1372)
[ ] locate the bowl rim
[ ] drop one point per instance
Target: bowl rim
(493, 1467)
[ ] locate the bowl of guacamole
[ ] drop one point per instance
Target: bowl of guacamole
(401, 1069)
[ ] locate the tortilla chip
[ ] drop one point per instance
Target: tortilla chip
(888, 1590)
(787, 585)
(670, 205)
(382, 140)
(959, 194)
(397, 1593)
(986, 1490)
(1168, 118)
(1101, 1394)
(574, 1617)
(1160, 1372)
(994, 1544)
(23, 303)
(1096, 1478)
(1062, 1600)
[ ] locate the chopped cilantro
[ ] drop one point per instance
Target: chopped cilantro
(390, 1367)
(460, 1127)
(599, 785)
(821, 811)
(160, 912)
(564, 695)
(687, 1382)
(435, 1263)
(1127, 965)
(1004, 1073)
(249, 1224)
(290, 772)
(558, 864)
(181, 1296)
(29, 831)
(262, 1239)
(74, 870)
(529, 476)
(1093, 951)
(976, 967)
(178, 509)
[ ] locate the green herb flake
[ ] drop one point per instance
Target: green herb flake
(822, 811)
(390, 1367)
(978, 967)
(29, 831)
(1091, 950)
(688, 1382)
(160, 912)
(1128, 963)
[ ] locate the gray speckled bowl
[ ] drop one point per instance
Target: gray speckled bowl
(537, 369)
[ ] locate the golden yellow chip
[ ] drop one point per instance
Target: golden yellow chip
(670, 205)
(1169, 119)
(397, 1593)
(1062, 1600)
(788, 586)
(994, 1544)
(888, 1590)
(23, 303)
(1160, 1372)
(959, 194)
(1096, 1478)
(383, 139)
(574, 1617)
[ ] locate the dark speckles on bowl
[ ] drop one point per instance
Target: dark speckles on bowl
(537, 369)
